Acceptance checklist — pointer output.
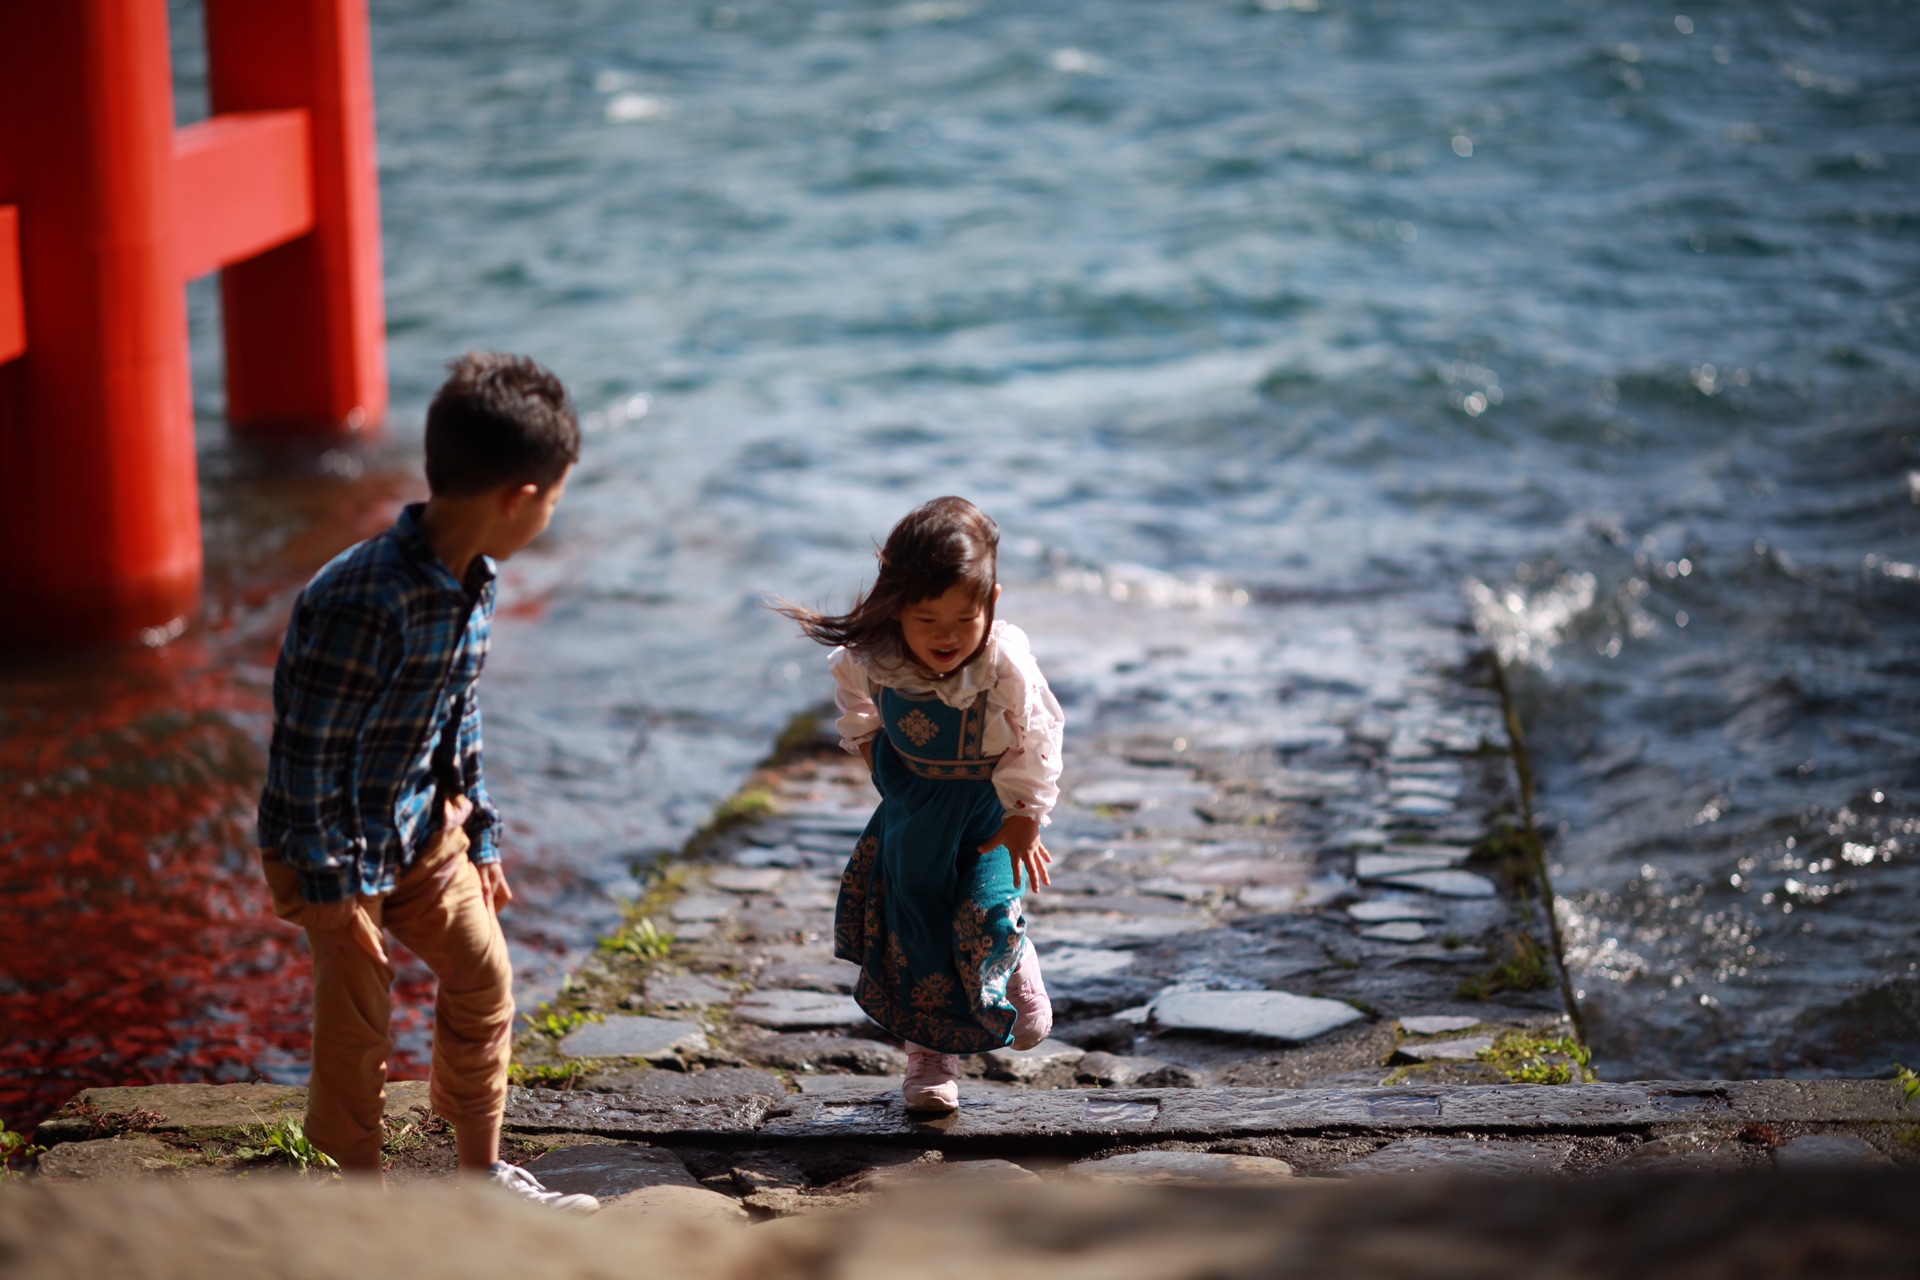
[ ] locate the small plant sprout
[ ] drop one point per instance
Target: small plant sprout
(1909, 1081)
(642, 939)
(557, 1024)
(14, 1147)
(286, 1141)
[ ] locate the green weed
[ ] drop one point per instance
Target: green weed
(1909, 1081)
(641, 938)
(286, 1141)
(15, 1148)
(557, 1024)
(1530, 1059)
(564, 1076)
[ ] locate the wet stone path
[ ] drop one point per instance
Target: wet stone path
(1292, 933)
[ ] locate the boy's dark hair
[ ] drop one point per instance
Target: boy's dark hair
(946, 543)
(499, 419)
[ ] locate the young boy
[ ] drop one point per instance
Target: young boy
(375, 813)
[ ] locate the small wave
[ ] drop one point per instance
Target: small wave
(1133, 583)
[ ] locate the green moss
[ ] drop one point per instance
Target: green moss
(1529, 1059)
(1519, 964)
(563, 1075)
(1909, 1082)
(641, 939)
(557, 1024)
(15, 1148)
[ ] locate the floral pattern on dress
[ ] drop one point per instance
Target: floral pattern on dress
(918, 728)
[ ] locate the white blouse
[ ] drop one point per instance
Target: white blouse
(1024, 721)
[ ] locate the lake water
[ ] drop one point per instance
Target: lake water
(1605, 312)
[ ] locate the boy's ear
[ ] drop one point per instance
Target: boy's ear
(515, 496)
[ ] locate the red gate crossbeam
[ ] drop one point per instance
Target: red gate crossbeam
(13, 307)
(243, 184)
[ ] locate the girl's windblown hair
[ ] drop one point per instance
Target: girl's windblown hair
(945, 543)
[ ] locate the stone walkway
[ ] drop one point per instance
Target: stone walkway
(1294, 930)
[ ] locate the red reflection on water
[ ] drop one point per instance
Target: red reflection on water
(137, 943)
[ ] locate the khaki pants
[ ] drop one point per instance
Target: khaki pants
(440, 912)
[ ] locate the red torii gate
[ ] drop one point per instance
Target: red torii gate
(106, 211)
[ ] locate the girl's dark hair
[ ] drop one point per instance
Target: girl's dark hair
(946, 543)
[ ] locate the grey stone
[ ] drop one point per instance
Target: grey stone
(1379, 866)
(1452, 854)
(1171, 1075)
(1115, 1069)
(1362, 838)
(1448, 884)
(812, 1051)
(1096, 931)
(1047, 1057)
(608, 1170)
(1181, 1167)
(107, 1160)
(195, 1110)
(633, 1036)
(1275, 898)
(938, 1171)
(1462, 1155)
(686, 991)
(1438, 1024)
(1110, 1035)
(1396, 931)
(788, 1010)
(698, 908)
(747, 879)
(831, 975)
(1698, 1152)
(1073, 964)
(1829, 1151)
(1465, 1049)
(1253, 1015)
(849, 1088)
(1421, 806)
(779, 856)
(716, 1084)
(1384, 910)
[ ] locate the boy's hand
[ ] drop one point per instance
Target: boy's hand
(1021, 836)
(493, 883)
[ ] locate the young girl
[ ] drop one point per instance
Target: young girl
(963, 738)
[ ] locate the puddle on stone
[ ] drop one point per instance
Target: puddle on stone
(1404, 1104)
(1115, 1111)
(849, 1113)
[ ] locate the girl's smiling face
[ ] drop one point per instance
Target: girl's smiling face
(942, 633)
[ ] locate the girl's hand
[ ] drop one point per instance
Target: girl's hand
(1021, 836)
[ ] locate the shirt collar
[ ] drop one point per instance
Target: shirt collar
(958, 688)
(412, 537)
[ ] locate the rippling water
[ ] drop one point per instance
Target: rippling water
(1603, 311)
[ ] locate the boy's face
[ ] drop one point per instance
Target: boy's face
(943, 633)
(523, 515)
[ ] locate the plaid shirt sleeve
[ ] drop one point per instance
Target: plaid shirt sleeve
(346, 653)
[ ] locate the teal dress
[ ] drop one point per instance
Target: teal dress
(935, 925)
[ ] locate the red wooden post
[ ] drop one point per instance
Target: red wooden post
(105, 212)
(100, 524)
(306, 323)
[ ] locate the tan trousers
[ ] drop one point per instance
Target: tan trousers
(440, 912)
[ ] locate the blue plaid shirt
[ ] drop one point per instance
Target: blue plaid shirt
(374, 712)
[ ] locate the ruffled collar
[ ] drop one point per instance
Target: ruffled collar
(958, 688)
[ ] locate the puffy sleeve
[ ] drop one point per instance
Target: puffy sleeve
(853, 694)
(1028, 775)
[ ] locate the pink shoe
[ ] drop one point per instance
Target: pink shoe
(932, 1082)
(1033, 1012)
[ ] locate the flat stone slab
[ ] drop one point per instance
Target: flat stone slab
(608, 1170)
(1038, 1119)
(1396, 931)
(1438, 1024)
(835, 977)
(1381, 866)
(1385, 911)
(968, 1171)
(785, 1009)
(634, 1036)
(1462, 1155)
(1447, 884)
(747, 879)
(1465, 1049)
(1829, 1151)
(206, 1110)
(107, 1160)
(698, 908)
(716, 1084)
(1181, 1167)
(1031, 1064)
(686, 991)
(1117, 1069)
(1078, 964)
(1252, 1015)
